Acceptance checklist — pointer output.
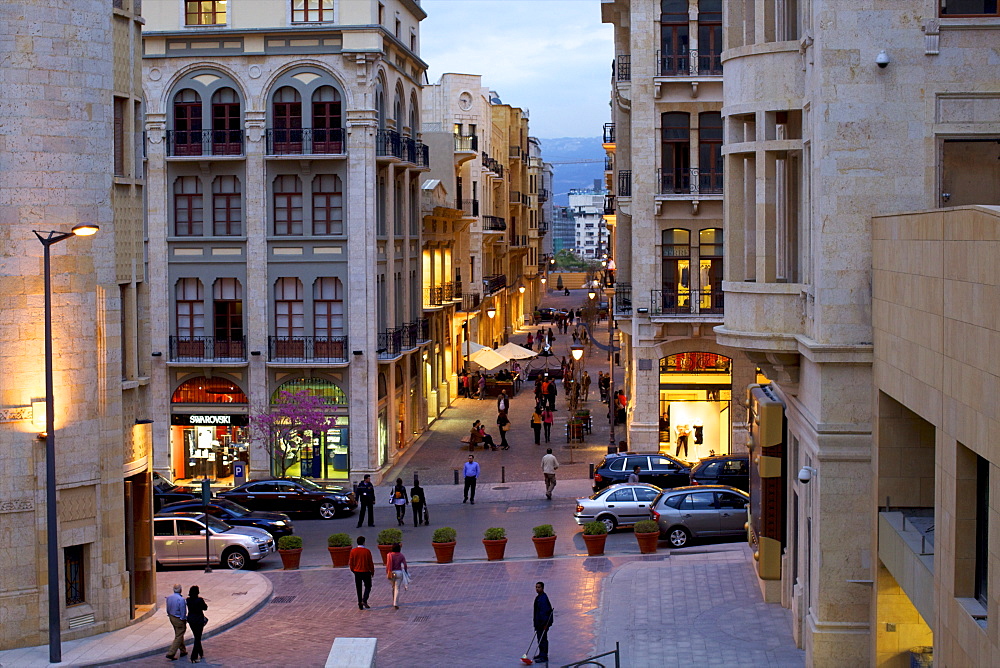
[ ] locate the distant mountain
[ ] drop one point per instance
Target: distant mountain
(578, 175)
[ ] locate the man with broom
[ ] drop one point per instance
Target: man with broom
(542, 621)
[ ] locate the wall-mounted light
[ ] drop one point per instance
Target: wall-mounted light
(358, 353)
(491, 312)
(255, 353)
(157, 354)
(642, 310)
(38, 414)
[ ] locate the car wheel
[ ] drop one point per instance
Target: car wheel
(609, 522)
(327, 510)
(678, 536)
(235, 558)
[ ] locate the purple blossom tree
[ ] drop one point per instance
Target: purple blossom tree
(287, 425)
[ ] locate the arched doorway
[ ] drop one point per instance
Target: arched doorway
(324, 455)
(695, 393)
(208, 429)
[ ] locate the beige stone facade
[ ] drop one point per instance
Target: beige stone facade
(70, 153)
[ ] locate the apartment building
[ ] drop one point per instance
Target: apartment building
(590, 234)
(665, 210)
(285, 169)
(70, 154)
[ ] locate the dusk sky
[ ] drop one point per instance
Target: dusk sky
(552, 57)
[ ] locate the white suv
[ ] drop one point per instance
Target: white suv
(179, 538)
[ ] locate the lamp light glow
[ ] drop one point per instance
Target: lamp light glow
(520, 289)
(491, 312)
(576, 352)
(85, 230)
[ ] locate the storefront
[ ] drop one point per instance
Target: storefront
(209, 430)
(324, 455)
(695, 405)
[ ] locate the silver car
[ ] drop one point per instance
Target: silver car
(618, 505)
(700, 511)
(179, 538)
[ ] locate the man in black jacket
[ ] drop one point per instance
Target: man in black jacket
(542, 621)
(366, 498)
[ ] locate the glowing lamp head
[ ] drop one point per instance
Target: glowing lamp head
(491, 312)
(521, 289)
(86, 230)
(576, 352)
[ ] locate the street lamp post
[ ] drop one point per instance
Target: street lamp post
(48, 239)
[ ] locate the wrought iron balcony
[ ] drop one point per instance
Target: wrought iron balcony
(390, 343)
(624, 64)
(689, 181)
(204, 142)
(543, 229)
(408, 149)
(686, 302)
(709, 64)
(207, 349)
(494, 224)
(624, 183)
(674, 64)
(609, 164)
(313, 349)
(410, 331)
(470, 302)
(423, 330)
(519, 240)
(623, 299)
(543, 195)
(470, 207)
(494, 283)
(423, 155)
(388, 144)
(439, 295)
(609, 133)
(309, 141)
(467, 143)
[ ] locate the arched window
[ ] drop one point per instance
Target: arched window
(710, 37)
(710, 152)
(414, 115)
(675, 151)
(227, 206)
(398, 110)
(327, 133)
(286, 119)
(327, 204)
(676, 273)
(328, 308)
(287, 205)
(227, 133)
(288, 308)
(186, 137)
(327, 390)
(189, 304)
(674, 38)
(208, 391)
(189, 209)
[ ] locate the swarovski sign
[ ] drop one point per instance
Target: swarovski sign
(210, 419)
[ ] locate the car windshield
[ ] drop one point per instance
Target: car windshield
(218, 526)
(308, 484)
(234, 508)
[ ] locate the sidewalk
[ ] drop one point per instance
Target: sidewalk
(232, 596)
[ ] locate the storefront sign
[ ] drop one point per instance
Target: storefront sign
(205, 420)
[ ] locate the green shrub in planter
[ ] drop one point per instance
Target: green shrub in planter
(495, 533)
(290, 543)
(338, 540)
(389, 537)
(444, 535)
(594, 529)
(646, 526)
(543, 531)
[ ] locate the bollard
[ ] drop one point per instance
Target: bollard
(591, 471)
(456, 476)
(503, 474)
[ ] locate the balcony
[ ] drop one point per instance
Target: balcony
(410, 332)
(439, 295)
(494, 283)
(470, 207)
(192, 143)
(388, 144)
(609, 133)
(466, 143)
(624, 183)
(312, 349)
(390, 343)
(623, 299)
(408, 149)
(313, 141)
(609, 205)
(492, 165)
(515, 152)
(673, 64)
(514, 197)
(470, 302)
(543, 229)
(609, 164)
(423, 155)
(207, 349)
(494, 224)
(689, 182)
(686, 302)
(423, 330)
(519, 240)
(621, 68)
(709, 64)
(543, 195)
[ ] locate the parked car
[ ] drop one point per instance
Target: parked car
(616, 506)
(179, 538)
(165, 492)
(661, 470)
(701, 511)
(731, 470)
(293, 495)
(233, 514)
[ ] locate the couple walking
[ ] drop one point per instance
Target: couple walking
(183, 614)
(363, 566)
(541, 418)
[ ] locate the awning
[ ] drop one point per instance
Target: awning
(512, 351)
(488, 358)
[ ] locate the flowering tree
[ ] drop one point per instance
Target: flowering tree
(290, 423)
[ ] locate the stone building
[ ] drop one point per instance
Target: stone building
(70, 154)
(285, 170)
(590, 231)
(665, 177)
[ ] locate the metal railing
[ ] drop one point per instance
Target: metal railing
(467, 143)
(685, 302)
(424, 329)
(494, 283)
(492, 165)
(609, 133)
(321, 349)
(673, 64)
(623, 298)
(207, 349)
(609, 164)
(408, 149)
(624, 71)
(439, 294)
(709, 64)
(309, 141)
(390, 343)
(624, 183)
(689, 181)
(543, 229)
(204, 142)
(388, 144)
(470, 302)
(609, 205)
(515, 152)
(543, 195)
(423, 155)
(494, 224)
(410, 330)
(590, 662)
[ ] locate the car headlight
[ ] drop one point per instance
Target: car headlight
(259, 540)
(339, 497)
(279, 523)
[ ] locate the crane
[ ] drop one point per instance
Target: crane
(574, 162)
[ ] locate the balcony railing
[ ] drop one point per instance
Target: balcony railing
(543, 228)
(467, 143)
(609, 133)
(515, 152)
(204, 142)
(691, 181)
(673, 64)
(709, 64)
(410, 332)
(408, 149)
(309, 141)
(470, 302)
(492, 165)
(624, 67)
(317, 349)
(685, 302)
(207, 349)
(423, 330)
(624, 183)
(623, 299)
(515, 197)
(609, 205)
(390, 343)
(494, 224)
(519, 240)
(469, 207)
(439, 294)
(388, 144)
(423, 155)
(494, 283)
(609, 164)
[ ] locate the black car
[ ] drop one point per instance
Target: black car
(165, 492)
(731, 470)
(233, 514)
(293, 495)
(661, 470)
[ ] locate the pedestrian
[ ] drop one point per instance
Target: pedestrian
(482, 387)
(530, 342)
(471, 473)
(536, 423)
(177, 614)
(474, 436)
(503, 402)
(634, 475)
(196, 619)
(463, 383)
(366, 498)
(486, 439)
(549, 388)
(585, 385)
(547, 422)
(620, 404)
(503, 424)
(398, 499)
(397, 572)
(542, 620)
(418, 502)
(552, 337)
(361, 564)
(604, 385)
(576, 339)
(538, 389)
(549, 466)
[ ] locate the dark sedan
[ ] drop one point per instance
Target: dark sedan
(165, 492)
(293, 495)
(233, 514)
(731, 470)
(661, 470)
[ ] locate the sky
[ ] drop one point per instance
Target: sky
(551, 57)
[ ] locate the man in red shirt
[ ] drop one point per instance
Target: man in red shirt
(361, 564)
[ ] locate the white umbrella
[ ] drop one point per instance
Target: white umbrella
(488, 358)
(512, 351)
(471, 347)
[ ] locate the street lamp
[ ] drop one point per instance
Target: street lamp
(520, 289)
(48, 239)
(591, 293)
(491, 312)
(577, 352)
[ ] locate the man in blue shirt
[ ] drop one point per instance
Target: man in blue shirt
(542, 620)
(471, 473)
(177, 614)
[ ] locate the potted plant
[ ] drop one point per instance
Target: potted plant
(495, 542)
(290, 549)
(647, 532)
(386, 539)
(594, 535)
(443, 542)
(544, 538)
(339, 546)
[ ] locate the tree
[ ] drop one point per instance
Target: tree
(290, 423)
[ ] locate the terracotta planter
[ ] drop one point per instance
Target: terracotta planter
(595, 544)
(495, 549)
(290, 558)
(544, 547)
(384, 550)
(444, 552)
(340, 556)
(648, 541)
